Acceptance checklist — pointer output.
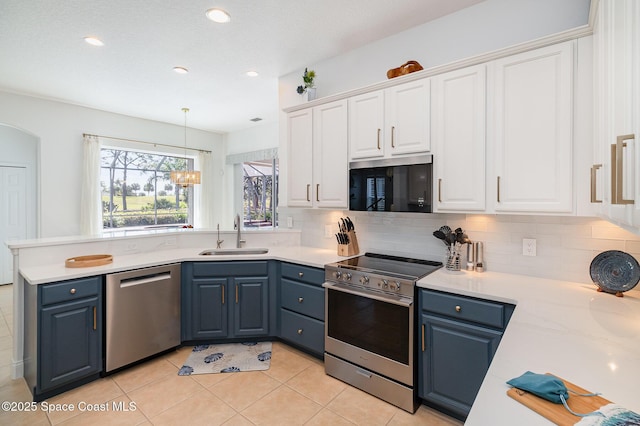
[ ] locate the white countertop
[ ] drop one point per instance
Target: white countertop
(568, 329)
(40, 274)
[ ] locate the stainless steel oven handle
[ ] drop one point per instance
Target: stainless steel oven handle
(401, 301)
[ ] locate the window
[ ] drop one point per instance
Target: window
(137, 191)
(260, 193)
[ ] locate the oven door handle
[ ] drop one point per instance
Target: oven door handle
(401, 301)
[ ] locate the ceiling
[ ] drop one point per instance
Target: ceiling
(42, 51)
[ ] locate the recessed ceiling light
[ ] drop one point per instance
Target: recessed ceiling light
(94, 41)
(218, 15)
(252, 73)
(180, 70)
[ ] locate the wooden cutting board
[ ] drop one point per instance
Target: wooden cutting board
(556, 412)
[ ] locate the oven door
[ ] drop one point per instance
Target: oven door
(370, 329)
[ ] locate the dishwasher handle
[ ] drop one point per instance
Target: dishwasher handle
(130, 282)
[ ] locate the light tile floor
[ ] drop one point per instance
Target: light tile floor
(294, 391)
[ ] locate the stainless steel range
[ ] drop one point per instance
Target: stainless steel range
(369, 324)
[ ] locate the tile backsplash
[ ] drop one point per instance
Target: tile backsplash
(566, 245)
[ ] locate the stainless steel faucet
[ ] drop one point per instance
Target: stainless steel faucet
(219, 242)
(238, 226)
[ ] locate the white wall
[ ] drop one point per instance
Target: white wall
(59, 127)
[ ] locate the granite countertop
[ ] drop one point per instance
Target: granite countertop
(47, 273)
(568, 329)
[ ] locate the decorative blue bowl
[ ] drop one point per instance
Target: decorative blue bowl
(615, 271)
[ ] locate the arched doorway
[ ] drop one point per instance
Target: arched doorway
(18, 192)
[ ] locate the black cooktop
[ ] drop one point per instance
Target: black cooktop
(392, 265)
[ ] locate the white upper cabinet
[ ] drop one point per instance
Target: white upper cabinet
(390, 122)
(330, 168)
(458, 104)
(317, 160)
(300, 157)
(616, 167)
(530, 119)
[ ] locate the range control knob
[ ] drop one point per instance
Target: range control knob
(337, 274)
(385, 284)
(348, 276)
(364, 280)
(395, 286)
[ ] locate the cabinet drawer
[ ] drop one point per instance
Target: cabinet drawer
(70, 290)
(302, 298)
(460, 307)
(237, 268)
(303, 331)
(305, 274)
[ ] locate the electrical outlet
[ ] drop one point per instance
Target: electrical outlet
(289, 222)
(328, 231)
(528, 247)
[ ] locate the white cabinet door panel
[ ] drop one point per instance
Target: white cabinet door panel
(531, 130)
(330, 167)
(458, 134)
(300, 158)
(407, 118)
(366, 125)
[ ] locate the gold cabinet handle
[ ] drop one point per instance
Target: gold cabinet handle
(222, 294)
(308, 188)
(317, 192)
(95, 318)
(300, 299)
(458, 308)
(594, 169)
(617, 170)
(439, 190)
(393, 131)
(300, 331)
(423, 343)
(378, 139)
(72, 291)
(498, 198)
(236, 294)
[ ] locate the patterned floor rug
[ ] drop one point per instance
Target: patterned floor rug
(227, 358)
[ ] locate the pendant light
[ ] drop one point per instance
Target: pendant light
(186, 177)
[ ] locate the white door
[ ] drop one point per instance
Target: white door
(330, 168)
(366, 125)
(13, 214)
(407, 118)
(531, 130)
(300, 145)
(458, 133)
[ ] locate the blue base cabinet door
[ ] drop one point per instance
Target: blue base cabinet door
(455, 359)
(209, 309)
(251, 308)
(70, 330)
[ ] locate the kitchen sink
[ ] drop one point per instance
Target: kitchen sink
(232, 251)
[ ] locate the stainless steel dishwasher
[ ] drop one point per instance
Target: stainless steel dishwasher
(142, 314)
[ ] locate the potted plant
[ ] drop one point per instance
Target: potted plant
(308, 86)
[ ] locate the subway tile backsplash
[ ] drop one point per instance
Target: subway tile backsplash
(565, 245)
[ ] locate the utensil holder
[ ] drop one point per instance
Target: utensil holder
(453, 257)
(350, 249)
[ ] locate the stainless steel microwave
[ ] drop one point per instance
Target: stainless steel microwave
(391, 185)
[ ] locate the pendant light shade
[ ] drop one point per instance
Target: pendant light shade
(185, 177)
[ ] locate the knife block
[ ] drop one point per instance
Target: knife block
(350, 249)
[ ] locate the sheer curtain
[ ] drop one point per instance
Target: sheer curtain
(90, 201)
(204, 214)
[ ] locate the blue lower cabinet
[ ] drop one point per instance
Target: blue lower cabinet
(63, 335)
(225, 300)
(456, 347)
(301, 307)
